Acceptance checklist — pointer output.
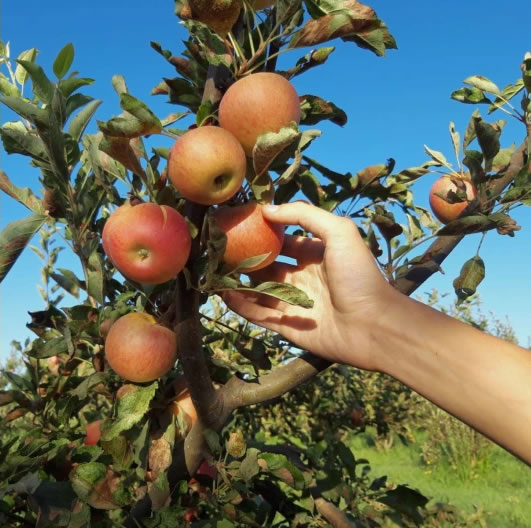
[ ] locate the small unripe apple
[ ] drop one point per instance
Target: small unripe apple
(93, 433)
(256, 104)
(207, 165)
(148, 243)
(443, 210)
(249, 234)
(140, 350)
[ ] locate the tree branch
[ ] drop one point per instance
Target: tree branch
(332, 514)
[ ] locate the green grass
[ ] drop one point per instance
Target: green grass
(502, 489)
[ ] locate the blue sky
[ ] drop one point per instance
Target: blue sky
(395, 105)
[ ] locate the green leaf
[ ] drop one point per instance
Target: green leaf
(6, 88)
(70, 85)
(482, 83)
(121, 150)
(249, 467)
(503, 158)
(488, 136)
(95, 277)
(140, 110)
(262, 186)
(43, 88)
(21, 73)
(184, 93)
(280, 466)
(127, 127)
(14, 238)
(343, 180)
(405, 500)
(310, 60)
(471, 275)
(284, 292)
(204, 112)
(84, 389)
(63, 61)
(81, 120)
(438, 157)
(68, 281)
(470, 96)
(53, 347)
(315, 109)
(270, 145)
(29, 111)
(24, 195)
(456, 140)
(130, 409)
(503, 223)
(354, 22)
(507, 94)
(119, 84)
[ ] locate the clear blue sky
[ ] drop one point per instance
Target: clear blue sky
(395, 105)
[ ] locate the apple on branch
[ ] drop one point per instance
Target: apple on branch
(249, 235)
(148, 243)
(446, 211)
(256, 104)
(140, 350)
(207, 165)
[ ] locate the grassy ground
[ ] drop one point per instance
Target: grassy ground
(502, 489)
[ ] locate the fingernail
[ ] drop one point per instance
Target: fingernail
(270, 208)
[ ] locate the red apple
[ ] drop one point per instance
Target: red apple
(249, 234)
(256, 104)
(207, 165)
(140, 350)
(148, 243)
(445, 211)
(93, 433)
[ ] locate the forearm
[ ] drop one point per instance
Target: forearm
(480, 379)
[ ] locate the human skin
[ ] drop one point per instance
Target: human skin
(140, 350)
(207, 165)
(359, 319)
(256, 104)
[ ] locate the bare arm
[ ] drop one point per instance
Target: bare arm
(360, 320)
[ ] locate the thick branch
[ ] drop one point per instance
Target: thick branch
(240, 393)
(296, 372)
(332, 514)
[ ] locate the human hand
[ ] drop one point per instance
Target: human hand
(337, 271)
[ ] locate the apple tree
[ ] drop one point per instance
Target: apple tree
(244, 429)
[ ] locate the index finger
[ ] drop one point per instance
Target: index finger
(311, 218)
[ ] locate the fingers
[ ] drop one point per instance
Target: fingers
(304, 249)
(311, 218)
(276, 272)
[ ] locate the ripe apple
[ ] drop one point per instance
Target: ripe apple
(256, 104)
(148, 243)
(249, 234)
(140, 350)
(219, 15)
(207, 165)
(444, 211)
(93, 433)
